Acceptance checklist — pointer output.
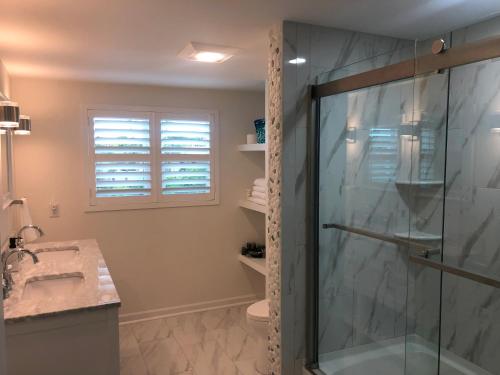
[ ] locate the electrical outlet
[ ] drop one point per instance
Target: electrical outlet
(54, 210)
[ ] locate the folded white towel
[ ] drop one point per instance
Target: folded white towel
(260, 182)
(262, 202)
(258, 194)
(258, 188)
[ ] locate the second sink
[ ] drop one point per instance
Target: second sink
(61, 253)
(49, 286)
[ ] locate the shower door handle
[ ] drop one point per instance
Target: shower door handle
(482, 279)
(424, 250)
(422, 254)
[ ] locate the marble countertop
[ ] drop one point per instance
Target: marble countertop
(95, 290)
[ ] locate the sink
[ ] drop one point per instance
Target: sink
(50, 286)
(59, 253)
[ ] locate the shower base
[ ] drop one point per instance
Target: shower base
(388, 358)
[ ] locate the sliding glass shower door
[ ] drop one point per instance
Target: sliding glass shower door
(407, 216)
(373, 160)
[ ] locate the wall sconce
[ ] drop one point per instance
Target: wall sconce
(9, 115)
(24, 126)
(350, 135)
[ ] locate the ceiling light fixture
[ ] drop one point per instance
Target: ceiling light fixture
(297, 61)
(9, 115)
(24, 126)
(208, 53)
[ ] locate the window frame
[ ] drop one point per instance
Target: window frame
(157, 199)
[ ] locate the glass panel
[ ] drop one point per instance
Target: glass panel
(425, 201)
(417, 160)
(366, 145)
(470, 313)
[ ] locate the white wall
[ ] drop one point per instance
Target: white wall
(158, 257)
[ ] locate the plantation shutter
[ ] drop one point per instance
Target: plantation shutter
(187, 157)
(383, 154)
(122, 157)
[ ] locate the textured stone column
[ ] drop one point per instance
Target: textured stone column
(275, 140)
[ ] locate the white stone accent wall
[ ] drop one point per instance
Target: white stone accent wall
(275, 140)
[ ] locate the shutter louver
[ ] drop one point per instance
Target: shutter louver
(122, 150)
(427, 151)
(185, 177)
(121, 136)
(122, 179)
(186, 151)
(383, 151)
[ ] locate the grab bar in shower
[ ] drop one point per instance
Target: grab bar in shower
(422, 255)
(482, 279)
(424, 250)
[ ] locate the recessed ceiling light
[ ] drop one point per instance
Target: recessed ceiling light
(209, 53)
(297, 61)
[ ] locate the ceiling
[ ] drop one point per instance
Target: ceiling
(137, 41)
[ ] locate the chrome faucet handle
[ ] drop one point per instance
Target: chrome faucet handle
(7, 280)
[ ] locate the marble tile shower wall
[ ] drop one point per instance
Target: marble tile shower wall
(324, 49)
(470, 317)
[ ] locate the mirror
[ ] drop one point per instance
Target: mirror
(6, 165)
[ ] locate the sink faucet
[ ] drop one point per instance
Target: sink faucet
(7, 280)
(31, 226)
(19, 240)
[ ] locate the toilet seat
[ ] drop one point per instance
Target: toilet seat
(259, 311)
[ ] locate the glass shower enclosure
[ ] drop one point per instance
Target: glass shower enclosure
(406, 213)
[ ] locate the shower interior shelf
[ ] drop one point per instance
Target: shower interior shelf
(418, 236)
(420, 183)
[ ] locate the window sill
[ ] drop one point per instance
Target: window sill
(147, 206)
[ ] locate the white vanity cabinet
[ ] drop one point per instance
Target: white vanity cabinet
(70, 343)
(61, 317)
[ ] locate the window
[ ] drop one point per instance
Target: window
(152, 158)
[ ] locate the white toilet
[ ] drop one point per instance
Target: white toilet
(258, 320)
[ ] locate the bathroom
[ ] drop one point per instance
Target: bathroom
(231, 188)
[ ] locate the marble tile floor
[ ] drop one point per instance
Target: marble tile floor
(215, 342)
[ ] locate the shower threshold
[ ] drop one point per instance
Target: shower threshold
(388, 357)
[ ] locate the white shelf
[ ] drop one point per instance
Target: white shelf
(258, 264)
(252, 206)
(252, 147)
(418, 236)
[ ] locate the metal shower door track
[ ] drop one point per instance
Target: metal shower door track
(449, 58)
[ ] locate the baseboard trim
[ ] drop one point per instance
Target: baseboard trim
(166, 312)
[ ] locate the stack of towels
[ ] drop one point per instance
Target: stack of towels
(258, 194)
